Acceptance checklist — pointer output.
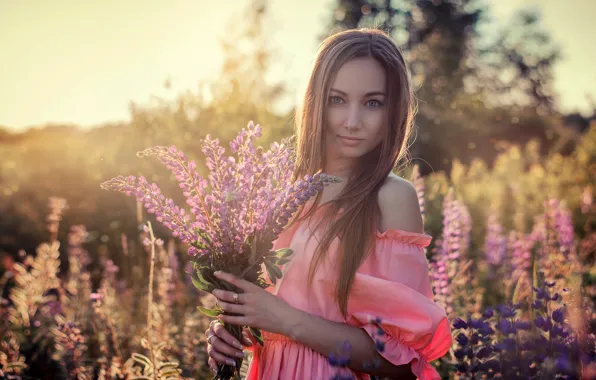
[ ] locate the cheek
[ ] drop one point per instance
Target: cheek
(334, 118)
(376, 127)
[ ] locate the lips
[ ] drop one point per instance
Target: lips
(349, 141)
(350, 138)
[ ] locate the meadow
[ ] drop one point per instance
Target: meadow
(93, 287)
(512, 262)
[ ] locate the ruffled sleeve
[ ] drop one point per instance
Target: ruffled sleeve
(393, 286)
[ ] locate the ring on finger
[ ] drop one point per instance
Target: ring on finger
(235, 297)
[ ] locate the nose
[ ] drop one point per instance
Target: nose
(353, 118)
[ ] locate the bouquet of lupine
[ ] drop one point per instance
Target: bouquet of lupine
(235, 214)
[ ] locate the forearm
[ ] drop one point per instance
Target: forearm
(324, 336)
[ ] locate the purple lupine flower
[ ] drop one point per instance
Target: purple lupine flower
(340, 359)
(54, 308)
(511, 354)
(448, 252)
(110, 268)
(495, 242)
(563, 225)
(164, 209)
(488, 313)
(190, 182)
(452, 227)
(71, 347)
(440, 279)
(520, 247)
(558, 315)
(95, 297)
(460, 324)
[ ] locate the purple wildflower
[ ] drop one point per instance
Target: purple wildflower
(164, 209)
(495, 242)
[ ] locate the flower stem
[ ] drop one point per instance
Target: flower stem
(150, 298)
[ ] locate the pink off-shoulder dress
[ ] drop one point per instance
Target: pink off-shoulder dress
(392, 283)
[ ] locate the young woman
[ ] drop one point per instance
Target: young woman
(358, 245)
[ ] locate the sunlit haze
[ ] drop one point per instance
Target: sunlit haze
(83, 62)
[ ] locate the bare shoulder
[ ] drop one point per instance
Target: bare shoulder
(399, 206)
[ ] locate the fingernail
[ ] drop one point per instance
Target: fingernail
(214, 371)
(231, 362)
(240, 354)
(237, 344)
(217, 273)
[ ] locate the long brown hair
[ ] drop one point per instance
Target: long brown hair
(357, 225)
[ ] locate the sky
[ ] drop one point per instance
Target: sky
(82, 62)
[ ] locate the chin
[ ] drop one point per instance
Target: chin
(353, 153)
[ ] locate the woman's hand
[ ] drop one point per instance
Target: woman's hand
(222, 346)
(257, 307)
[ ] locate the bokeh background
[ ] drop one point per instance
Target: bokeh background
(503, 157)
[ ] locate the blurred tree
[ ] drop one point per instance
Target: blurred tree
(435, 36)
(475, 88)
(517, 67)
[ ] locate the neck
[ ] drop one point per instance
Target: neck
(341, 169)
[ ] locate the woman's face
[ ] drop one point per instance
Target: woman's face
(356, 109)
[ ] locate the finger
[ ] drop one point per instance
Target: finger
(213, 365)
(215, 351)
(232, 307)
(234, 280)
(226, 296)
(246, 338)
(235, 320)
(222, 333)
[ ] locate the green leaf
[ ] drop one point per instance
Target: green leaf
(140, 358)
(173, 373)
(210, 312)
(281, 261)
(200, 285)
(257, 334)
(262, 283)
(201, 276)
(284, 252)
(199, 244)
(271, 275)
(273, 268)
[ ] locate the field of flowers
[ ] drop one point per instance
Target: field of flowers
(512, 262)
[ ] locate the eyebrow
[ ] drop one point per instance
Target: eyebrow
(365, 95)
